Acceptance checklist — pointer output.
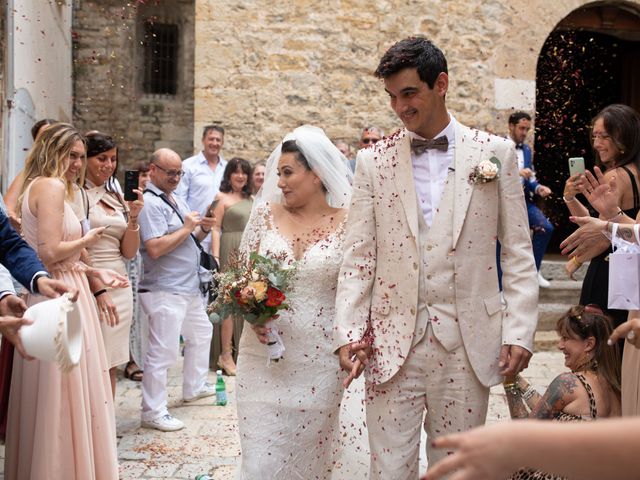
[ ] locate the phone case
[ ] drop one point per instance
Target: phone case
(576, 165)
(130, 184)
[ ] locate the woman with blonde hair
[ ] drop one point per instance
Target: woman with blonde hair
(61, 425)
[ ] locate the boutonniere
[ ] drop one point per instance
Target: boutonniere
(486, 171)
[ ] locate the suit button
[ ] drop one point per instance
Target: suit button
(429, 304)
(429, 277)
(429, 247)
(415, 266)
(413, 311)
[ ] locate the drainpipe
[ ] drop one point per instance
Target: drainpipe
(9, 85)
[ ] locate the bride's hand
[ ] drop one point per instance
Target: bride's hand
(261, 332)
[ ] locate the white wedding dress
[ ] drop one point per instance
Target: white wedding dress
(290, 421)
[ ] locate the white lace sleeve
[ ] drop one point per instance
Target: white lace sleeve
(257, 225)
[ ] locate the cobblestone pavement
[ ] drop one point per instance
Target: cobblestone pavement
(210, 443)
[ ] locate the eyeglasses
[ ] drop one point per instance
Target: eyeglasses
(600, 136)
(170, 173)
(367, 141)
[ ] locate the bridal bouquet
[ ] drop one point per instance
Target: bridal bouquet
(253, 289)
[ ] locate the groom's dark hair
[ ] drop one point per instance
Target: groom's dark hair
(413, 52)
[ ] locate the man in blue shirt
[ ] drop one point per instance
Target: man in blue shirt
(203, 174)
(170, 292)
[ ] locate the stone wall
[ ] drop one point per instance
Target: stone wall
(263, 67)
(108, 76)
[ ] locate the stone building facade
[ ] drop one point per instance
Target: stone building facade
(110, 47)
(265, 67)
(261, 68)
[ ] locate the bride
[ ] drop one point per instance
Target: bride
(289, 412)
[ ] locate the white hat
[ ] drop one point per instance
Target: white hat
(56, 332)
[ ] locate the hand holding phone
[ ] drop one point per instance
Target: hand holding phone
(576, 166)
(131, 178)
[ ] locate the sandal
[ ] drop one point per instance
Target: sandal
(134, 374)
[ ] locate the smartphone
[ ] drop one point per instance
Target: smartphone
(576, 165)
(131, 184)
(212, 207)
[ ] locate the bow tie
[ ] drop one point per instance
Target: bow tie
(519, 146)
(419, 146)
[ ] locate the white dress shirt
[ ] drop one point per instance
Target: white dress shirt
(430, 170)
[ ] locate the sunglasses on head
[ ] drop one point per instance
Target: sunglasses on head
(367, 141)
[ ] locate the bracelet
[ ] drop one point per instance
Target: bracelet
(620, 212)
(100, 292)
(568, 199)
(133, 229)
(512, 388)
(529, 392)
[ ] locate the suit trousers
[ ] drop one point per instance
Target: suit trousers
(432, 379)
(171, 315)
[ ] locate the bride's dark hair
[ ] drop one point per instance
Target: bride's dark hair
(290, 146)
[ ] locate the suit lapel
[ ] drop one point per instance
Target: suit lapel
(467, 155)
(400, 159)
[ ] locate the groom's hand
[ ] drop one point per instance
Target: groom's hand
(353, 358)
(513, 359)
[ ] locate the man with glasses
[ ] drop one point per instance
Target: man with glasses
(203, 174)
(369, 136)
(170, 292)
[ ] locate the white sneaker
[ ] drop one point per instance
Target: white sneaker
(164, 423)
(543, 282)
(208, 390)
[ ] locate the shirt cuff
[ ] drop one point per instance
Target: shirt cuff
(4, 293)
(32, 284)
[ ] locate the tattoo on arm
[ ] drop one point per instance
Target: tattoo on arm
(625, 233)
(517, 408)
(559, 394)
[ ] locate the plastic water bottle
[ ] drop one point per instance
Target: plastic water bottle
(221, 390)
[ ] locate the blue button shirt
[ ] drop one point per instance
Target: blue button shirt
(177, 271)
(200, 185)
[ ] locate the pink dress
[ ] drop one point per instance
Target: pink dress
(62, 426)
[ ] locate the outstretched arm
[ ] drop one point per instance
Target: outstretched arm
(603, 449)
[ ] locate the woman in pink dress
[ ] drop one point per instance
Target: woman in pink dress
(61, 425)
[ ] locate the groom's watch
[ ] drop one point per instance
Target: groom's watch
(34, 281)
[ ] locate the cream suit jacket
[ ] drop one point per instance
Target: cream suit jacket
(377, 293)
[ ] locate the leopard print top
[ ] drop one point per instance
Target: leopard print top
(527, 474)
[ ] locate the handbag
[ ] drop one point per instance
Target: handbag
(624, 272)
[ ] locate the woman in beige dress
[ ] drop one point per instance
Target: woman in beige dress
(61, 425)
(120, 241)
(232, 211)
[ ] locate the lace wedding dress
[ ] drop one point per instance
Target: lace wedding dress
(289, 411)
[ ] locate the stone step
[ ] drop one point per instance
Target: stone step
(545, 342)
(561, 291)
(554, 269)
(548, 315)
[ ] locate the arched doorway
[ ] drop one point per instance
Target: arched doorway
(590, 60)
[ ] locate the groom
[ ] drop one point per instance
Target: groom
(418, 301)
